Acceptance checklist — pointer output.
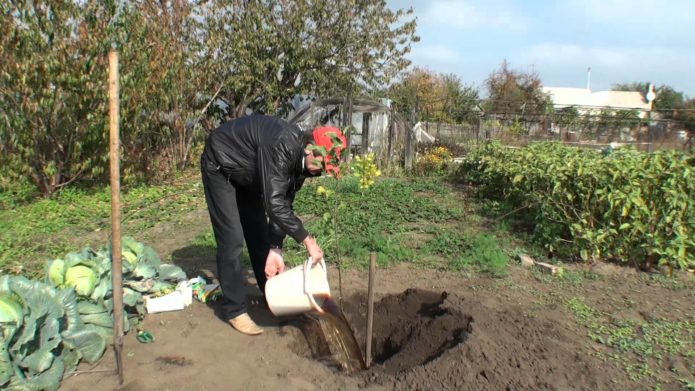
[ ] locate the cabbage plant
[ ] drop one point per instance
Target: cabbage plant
(43, 336)
(88, 273)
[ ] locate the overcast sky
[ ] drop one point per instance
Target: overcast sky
(621, 40)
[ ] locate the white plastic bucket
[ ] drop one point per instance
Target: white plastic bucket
(293, 291)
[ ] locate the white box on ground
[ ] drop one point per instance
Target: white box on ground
(174, 301)
(170, 302)
(186, 291)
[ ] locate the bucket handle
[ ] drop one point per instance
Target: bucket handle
(307, 267)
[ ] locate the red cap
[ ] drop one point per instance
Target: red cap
(322, 138)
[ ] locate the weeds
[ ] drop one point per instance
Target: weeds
(637, 344)
(46, 228)
(385, 220)
(667, 282)
(464, 250)
(378, 220)
(484, 251)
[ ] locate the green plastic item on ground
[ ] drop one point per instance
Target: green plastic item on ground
(144, 337)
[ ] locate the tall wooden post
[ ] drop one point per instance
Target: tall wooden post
(370, 309)
(116, 271)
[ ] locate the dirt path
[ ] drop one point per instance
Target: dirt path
(433, 330)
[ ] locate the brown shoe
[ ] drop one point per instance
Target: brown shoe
(245, 325)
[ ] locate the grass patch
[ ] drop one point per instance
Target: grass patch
(464, 250)
(31, 232)
(638, 345)
(381, 219)
(421, 221)
(585, 313)
(484, 252)
(673, 283)
(203, 246)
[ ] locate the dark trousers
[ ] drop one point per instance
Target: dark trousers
(235, 214)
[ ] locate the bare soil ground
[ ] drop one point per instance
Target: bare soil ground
(433, 330)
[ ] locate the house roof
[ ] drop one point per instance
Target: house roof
(565, 96)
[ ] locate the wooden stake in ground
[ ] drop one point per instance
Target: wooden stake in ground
(116, 271)
(370, 309)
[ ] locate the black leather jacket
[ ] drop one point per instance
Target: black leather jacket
(265, 155)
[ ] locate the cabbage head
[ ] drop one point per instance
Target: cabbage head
(130, 257)
(10, 310)
(82, 279)
(56, 272)
(11, 315)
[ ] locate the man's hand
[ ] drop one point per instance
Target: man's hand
(274, 264)
(313, 249)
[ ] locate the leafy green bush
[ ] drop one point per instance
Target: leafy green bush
(625, 205)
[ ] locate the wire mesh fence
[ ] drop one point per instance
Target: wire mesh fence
(586, 132)
(375, 126)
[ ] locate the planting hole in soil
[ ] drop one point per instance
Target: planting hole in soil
(410, 329)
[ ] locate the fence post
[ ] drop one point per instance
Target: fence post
(409, 141)
(389, 149)
(348, 136)
(650, 136)
(478, 126)
(366, 119)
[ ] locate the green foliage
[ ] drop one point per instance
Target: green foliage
(434, 97)
(52, 90)
(435, 161)
(461, 103)
(376, 220)
(365, 169)
(655, 339)
(88, 272)
(49, 340)
(687, 115)
(516, 128)
(11, 313)
(182, 65)
(465, 250)
(448, 243)
(46, 228)
(567, 116)
(485, 252)
(47, 328)
(82, 279)
(513, 92)
(628, 206)
(263, 52)
(597, 122)
(667, 98)
(54, 130)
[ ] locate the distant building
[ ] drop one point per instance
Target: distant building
(587, 101)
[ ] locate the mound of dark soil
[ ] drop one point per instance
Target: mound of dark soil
(430, 340)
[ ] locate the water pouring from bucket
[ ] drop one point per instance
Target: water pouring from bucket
(299, 290)
(304, 290)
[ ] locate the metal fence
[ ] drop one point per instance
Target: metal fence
(587, 132)
(396, 138)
